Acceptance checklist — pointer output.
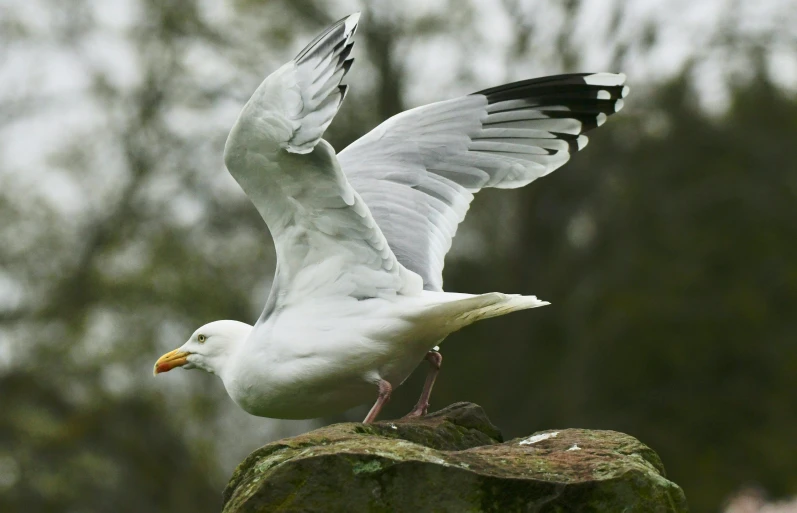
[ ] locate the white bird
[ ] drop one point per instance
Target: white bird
(357, 300)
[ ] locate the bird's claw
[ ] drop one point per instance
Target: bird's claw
(418, 411)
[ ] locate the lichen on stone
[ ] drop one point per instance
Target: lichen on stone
(367, 467)
(452, 460)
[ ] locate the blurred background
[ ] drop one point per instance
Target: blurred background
(668, 247)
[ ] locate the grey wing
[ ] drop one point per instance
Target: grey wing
(327, 242)
(418, 170)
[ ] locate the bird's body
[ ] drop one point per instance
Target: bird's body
(360, 236)
(324, 357)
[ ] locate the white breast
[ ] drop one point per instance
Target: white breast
(323, 357)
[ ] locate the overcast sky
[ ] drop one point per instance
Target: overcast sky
(62, 74)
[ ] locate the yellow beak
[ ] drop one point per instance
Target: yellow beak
(169, 361)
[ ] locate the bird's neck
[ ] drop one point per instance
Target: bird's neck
(225, 363)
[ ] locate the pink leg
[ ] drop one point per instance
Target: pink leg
(435, 360)
(385, 390)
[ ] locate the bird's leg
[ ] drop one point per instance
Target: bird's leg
(435, 360)
(385, 390)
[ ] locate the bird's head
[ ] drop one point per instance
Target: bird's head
(207, 349)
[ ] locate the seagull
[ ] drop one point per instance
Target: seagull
(357, 300)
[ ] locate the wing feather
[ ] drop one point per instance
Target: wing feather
(418, 170)
(327, 241)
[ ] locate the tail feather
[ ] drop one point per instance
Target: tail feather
(467, 309)
(495, 304)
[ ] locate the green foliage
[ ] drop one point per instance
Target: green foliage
(107, 455)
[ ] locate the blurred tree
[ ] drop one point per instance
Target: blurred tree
(110, 454)
(670, 257)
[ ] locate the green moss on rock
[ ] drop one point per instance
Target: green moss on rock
(454, 460)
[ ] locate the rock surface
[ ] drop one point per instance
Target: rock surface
(454, 460)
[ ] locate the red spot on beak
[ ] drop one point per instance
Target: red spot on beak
(170, 360)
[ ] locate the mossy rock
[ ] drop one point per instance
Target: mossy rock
(454, 460)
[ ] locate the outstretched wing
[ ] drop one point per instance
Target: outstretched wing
(418, 170)
(327, 242)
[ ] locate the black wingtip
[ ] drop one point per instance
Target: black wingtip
(587, 86)
(586, 97)
(352, 22)
(568, 78)
(344, 54)
(343, 29)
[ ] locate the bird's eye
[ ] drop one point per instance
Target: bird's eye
(201, 338)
